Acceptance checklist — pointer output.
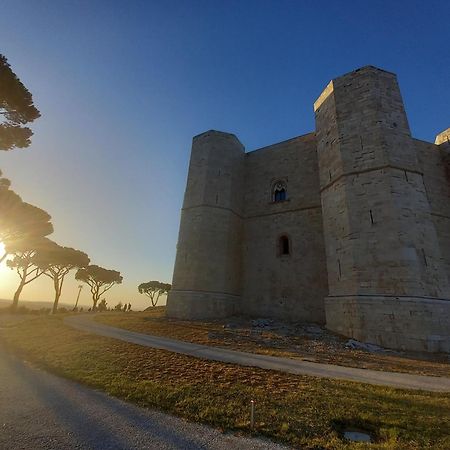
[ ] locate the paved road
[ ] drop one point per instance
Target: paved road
(41, 411)
(397, 380)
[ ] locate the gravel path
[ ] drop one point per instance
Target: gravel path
(42, 411)
(398, 380)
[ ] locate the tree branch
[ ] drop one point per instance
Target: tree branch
(107, 288)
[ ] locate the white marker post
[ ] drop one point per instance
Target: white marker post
(252, 414)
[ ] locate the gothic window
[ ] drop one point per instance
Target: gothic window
(284, 246)
(279, 192)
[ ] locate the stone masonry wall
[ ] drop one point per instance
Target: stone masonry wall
(380, 238)
(387, 278)
(291, 287)
(207, 274)
(434, 161)
(367, 216)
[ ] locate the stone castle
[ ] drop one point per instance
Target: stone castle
(347, 226)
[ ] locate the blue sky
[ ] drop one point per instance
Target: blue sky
(124, 85)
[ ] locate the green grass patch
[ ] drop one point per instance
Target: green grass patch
(300, 411)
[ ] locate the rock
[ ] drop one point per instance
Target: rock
(256, 332)
(357, 436)
(262, 323)
(286, 332)
(314, 329)
(356, 345)
(215, 335)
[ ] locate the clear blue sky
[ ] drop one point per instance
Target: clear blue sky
(124, 85)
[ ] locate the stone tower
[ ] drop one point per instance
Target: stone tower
(207, 274)
(387, 281)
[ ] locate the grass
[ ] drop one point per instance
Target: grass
(328, 348)
(300, 411)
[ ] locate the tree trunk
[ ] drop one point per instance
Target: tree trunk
(17, 295)
(78, 298)
(57, 295)
(95, 301)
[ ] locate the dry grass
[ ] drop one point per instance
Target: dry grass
(301, 411)
(327, 348)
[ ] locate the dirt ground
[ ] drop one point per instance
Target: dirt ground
(306, 341)
(9, 320)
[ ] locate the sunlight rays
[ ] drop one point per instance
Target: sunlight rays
(7, 276)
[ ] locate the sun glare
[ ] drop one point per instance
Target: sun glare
(7, 277)
(3, 267)
(2, 249)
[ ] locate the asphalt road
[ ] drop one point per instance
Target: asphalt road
(85, 322)
(41, 411)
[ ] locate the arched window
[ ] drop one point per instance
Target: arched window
(284, 246)
(279, 192)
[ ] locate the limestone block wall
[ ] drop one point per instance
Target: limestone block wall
(291, 287)
(380, 238)
(404, 323)
(435, 163)
(443, 138)
(385, 241)
(207, 274)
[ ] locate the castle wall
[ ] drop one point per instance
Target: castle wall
(291, 287)
(367, 216)
(207, 274)
(383, 254)
(434, 162)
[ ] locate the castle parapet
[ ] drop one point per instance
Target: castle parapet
(443, 138)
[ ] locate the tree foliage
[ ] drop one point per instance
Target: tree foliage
(118, 307)
(154, 289)
(17, 109)
(56, 262)
(20, 222)
(99, 279)
(23, 254)
(24, 222)
(103, 305)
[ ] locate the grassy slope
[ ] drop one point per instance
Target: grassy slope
(298, 410)
(213, 333)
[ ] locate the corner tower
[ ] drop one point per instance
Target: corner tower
(387, 282)
(207, 274)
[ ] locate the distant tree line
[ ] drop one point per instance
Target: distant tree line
(24, 227)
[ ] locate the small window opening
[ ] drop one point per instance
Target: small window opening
(279, 193)
(284, 246)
